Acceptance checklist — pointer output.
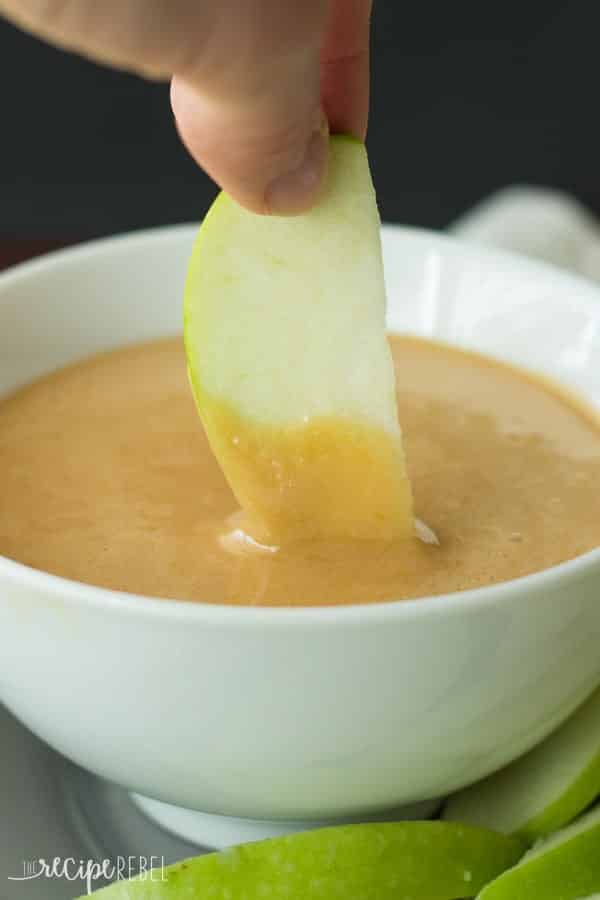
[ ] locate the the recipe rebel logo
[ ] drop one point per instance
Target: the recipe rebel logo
(91, 871)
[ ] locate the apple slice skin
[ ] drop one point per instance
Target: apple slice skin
(284, 327)
(566, 866)
(421, 860)
(579, 795)
(570, 757)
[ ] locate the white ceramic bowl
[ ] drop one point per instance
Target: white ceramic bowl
(299, 713)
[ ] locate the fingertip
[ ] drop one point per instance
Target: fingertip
(295, 192)
(183, 101)
(270, 168)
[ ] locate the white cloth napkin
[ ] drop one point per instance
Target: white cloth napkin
(538, 222)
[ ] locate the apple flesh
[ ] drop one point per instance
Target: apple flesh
(543, 790)
(420, 860)
(284, 327)
(565, 866)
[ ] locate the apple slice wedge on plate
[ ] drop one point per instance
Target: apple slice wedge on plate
(565, 866)
(543, 790)
(420, 860)
(284, 327)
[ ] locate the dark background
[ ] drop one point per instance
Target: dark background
(461, 105)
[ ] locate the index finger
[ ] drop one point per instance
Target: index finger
(345, 67)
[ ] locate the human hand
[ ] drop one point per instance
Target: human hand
(255, 83)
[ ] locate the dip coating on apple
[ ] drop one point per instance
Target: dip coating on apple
(285, 337)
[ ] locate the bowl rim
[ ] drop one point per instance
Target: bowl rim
(581, 290)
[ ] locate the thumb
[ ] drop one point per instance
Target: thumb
(263, 138)
(246, 92)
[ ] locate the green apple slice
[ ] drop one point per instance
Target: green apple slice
(565, 866)
(543, 790)
(420, 860)
(284, 326)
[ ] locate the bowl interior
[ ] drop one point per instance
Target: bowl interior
(127, 289)
(526, 313)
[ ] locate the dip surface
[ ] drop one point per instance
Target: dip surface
(106, 477)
